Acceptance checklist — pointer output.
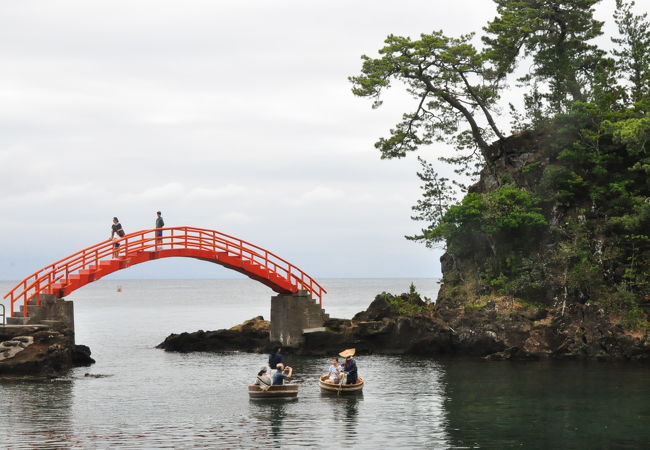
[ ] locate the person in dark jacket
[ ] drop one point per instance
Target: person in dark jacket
(116, 229)
(349, 366)
(275, 357)
(160, 223)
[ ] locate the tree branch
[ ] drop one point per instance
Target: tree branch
(415, 117)
(486, 112)
(454, 103)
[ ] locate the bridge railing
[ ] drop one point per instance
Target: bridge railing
(45, 279)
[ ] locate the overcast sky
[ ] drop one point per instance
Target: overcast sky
(230, 115)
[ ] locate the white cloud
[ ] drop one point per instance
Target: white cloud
(234, 218)
(234, 115)
(321, 194)
(155, 193)
(211, 194)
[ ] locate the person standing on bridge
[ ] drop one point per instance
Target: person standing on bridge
(116, 228)
(160, 223)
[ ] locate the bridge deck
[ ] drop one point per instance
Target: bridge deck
(92, 263)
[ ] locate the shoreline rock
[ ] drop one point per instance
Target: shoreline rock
(40, 351)
(499, 330)
(250, 336)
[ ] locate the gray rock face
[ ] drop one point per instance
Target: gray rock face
(10, 348)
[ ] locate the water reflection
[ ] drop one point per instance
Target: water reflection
(44, 405)
(345, 410)
(277, 415)
(546, 405)
(272, 412)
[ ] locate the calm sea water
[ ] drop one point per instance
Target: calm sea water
(147, 398)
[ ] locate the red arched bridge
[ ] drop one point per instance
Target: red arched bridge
(92, 263)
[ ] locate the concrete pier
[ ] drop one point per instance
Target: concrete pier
(291, 314)
(53, 312)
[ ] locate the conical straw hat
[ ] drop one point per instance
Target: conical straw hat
(347, 352)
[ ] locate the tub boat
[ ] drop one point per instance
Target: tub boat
(277, 391)
(328, 387)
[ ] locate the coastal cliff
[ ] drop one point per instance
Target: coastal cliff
(549, 250)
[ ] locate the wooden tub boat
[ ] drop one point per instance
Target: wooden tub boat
(277, 391)
(327, 387)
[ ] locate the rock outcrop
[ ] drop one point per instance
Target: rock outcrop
(11, 347)
(42, 344)
(505, 329)
(250, 336)
(40, 351)
(500, 329)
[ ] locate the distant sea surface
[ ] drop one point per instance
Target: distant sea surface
(142, 397)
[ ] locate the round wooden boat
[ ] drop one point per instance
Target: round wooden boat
(329, 387)
(277, 391)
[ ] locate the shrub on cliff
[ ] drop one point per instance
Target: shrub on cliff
(389, 306)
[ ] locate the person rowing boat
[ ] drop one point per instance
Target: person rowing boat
(349, 366)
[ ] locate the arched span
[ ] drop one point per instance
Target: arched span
(92, 263)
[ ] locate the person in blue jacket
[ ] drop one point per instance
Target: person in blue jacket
(282, 374)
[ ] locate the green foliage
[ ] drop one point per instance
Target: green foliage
(562, 184)
(634, 133)
(623, 302)
(476, 303)
(530, 167)
(633, 58)
(556, 35)
(450, 81)
(522, 278)
(584, 277)
(493, 228)
(410, 304)
(570, 225)
(507, 210)
(456, 86)
(437, 195)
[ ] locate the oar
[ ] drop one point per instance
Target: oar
(340, 384)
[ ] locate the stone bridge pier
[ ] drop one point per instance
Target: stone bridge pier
(294, 314)
(53, 312)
